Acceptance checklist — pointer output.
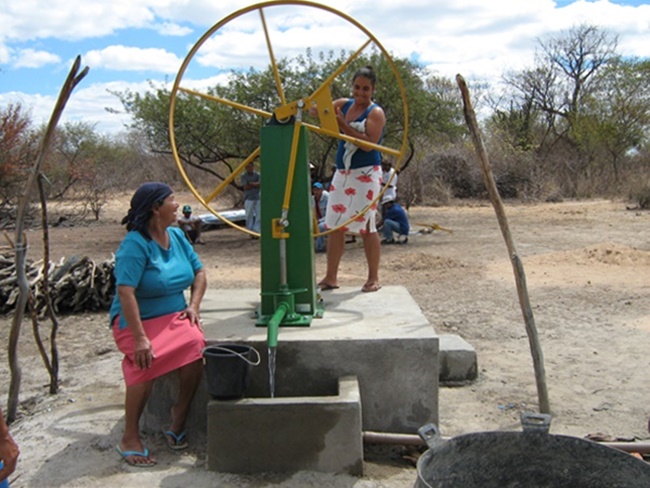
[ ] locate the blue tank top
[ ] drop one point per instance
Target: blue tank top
(361, 158)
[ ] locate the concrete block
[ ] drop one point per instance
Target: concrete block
(288, 434)
(458, 363)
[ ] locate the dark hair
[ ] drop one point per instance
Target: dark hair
(366, 72)
(148, 196)
(145, 217)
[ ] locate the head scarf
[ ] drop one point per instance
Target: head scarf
(142, 204)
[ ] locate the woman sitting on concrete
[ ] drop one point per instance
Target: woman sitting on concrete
(153, 325)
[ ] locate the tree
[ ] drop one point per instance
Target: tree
(85, 165)
(74, 150)
(562, 89)
(215, 138)
(620, 110)
(17, 148)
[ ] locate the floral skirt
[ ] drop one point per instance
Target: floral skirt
(351, 191)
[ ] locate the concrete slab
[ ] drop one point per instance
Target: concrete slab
(288, 434)
(458, 364)
(382, 338)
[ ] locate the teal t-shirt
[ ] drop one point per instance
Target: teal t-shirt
(159, 276)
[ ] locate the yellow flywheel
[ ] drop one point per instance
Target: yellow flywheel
(281, 24)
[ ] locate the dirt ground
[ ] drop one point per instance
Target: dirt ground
(587, 268)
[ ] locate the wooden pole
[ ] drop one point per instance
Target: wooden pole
(518, 268)
(74, 77)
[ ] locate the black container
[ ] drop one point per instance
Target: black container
(227, 369)
(528, 460)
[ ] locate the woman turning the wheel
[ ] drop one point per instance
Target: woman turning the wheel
(153, 325)
(357, 180)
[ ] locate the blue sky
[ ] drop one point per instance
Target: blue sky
(129, 43)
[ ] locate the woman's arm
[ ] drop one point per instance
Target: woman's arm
(197, 291)
(144, 354)
(375, 123)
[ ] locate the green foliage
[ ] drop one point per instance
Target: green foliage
(575, 123)
(581, 111)
(215, 137)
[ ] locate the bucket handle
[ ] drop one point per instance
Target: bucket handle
(241, 356)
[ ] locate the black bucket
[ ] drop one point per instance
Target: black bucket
(226, 369)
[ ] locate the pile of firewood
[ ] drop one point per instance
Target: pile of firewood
(76, 285)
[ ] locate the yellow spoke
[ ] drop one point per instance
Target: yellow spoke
(343, 67)
(276, 75)
(364, 144)
(230, 103)
(233, 175)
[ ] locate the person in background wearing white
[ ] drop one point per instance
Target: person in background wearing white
(387, 171)
(191, 225)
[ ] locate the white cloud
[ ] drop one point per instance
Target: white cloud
(70, 19)
(4, 53)
(123, 58)
(172, 29)
(29, 58)
(476, 38)
(87, 103)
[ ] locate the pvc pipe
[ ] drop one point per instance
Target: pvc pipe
(415, 440)
(640, 447)
(274, 324)
(391, 438)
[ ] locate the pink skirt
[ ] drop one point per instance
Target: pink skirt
(351, 192)
(175, 343)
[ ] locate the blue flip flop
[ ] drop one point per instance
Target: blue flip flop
(128, 454)
(177, 442)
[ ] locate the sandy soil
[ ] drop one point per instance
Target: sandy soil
(587, 267)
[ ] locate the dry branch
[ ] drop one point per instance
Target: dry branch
(76, 285)
(23, 286)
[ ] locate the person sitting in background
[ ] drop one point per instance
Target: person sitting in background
(191, 225)
(395, 220)
(9, 451)
(156, 328)
(320, 198)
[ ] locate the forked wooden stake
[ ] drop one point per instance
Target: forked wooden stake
(74, 77)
